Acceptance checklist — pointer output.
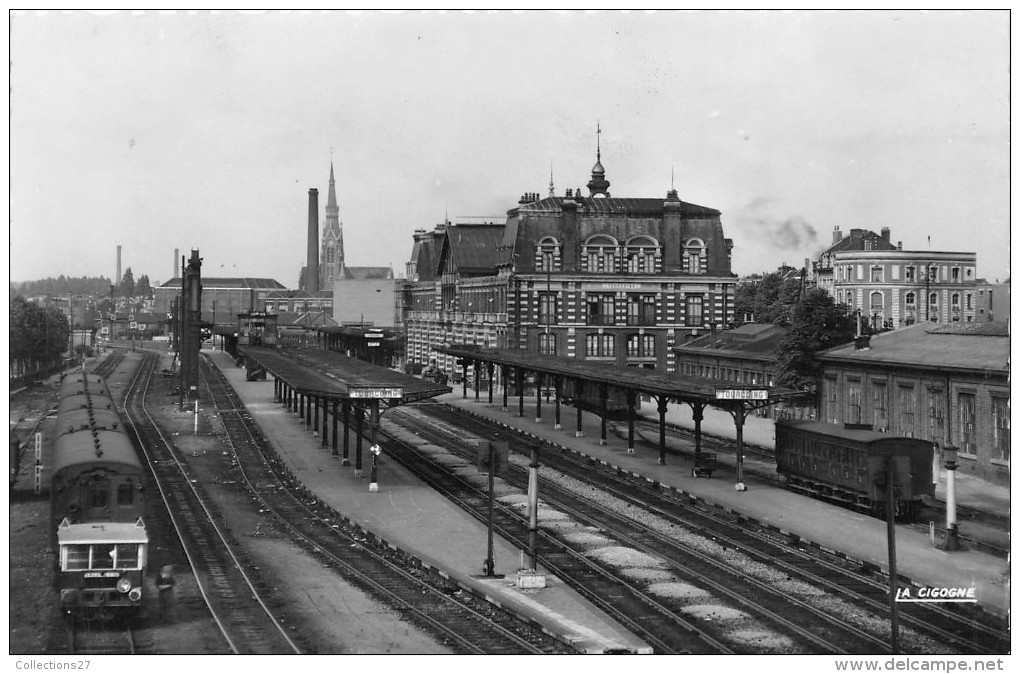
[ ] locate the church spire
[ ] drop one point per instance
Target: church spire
(598, 186)
(332, 262)
(552, 190)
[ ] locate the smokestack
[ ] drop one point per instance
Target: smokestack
(837, 235)
(173, 267)
(118, 266)
(312, 267)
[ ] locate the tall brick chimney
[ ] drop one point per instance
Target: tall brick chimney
(312, 266)
(118, 266)
(174, 271)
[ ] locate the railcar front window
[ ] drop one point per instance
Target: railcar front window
(126, 556)
(103, 555)
(76, 557)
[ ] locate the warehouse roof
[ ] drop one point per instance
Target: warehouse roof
(978, 347)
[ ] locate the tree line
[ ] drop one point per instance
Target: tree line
(97, 286)
(38, 338)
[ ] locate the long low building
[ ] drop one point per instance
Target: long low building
(948, 383)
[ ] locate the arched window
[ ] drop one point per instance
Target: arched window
(694, 256)
(547, 255)
(955, 300)
(600, 254)
(877, 301)
(849, 299)
(910, 299)
(641, 255)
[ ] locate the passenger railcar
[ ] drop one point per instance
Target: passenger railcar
(847, 465)
(96, 504)
(102, 568)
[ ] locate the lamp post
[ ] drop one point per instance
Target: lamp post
(952, 542)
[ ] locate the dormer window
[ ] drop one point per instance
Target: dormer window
(694, 256)
(600, 254)
(547, 255)
(642, 253)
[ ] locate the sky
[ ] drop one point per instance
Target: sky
(159, 131)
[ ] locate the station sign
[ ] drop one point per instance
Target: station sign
(374, 343)
(392, 392)
(741, 394)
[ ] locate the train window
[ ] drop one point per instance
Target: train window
(125, 494)
(76, 557)
(103, 555)
(98, 495)
(126, 556)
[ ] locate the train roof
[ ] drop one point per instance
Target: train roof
(102, 532)
(863, 435)
(81, 401)
(83, 418)
(80, 448)
(92, 384)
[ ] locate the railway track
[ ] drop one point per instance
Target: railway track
(233, 597)
(966, 628)
(468, 623)
(732, 591)
(100, 639)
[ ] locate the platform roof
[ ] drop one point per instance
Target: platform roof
(333, 375)
(655, 382)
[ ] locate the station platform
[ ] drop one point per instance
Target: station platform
(413, 517)
(850, 534)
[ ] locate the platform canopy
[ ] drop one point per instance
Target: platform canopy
(679, 387)
(329, 374)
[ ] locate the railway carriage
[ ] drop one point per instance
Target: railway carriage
(96, 504)
(847, 465)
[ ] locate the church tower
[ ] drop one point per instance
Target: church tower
(331, 266)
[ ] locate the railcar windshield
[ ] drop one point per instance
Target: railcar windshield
(98, 556)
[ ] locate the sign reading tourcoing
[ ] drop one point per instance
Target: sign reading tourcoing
(741, 394)
(376, 392)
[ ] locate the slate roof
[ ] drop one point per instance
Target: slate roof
(975, 347)
(474, 246)
(640, 207)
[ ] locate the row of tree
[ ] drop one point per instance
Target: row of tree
(98, 286)
(39, 337)
(814, 320)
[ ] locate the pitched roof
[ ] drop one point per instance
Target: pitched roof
(954, 346)
(855, 241)
(473, 247)
(753, 340)
(231, 282)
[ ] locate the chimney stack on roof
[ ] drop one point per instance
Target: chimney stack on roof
(173, 269)
(837, 235)
(885, 234)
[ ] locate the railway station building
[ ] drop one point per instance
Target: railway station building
(947, 383)
(593, 277)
